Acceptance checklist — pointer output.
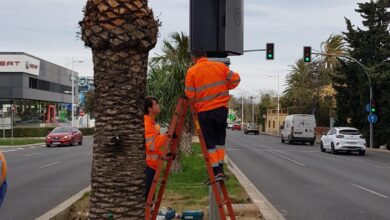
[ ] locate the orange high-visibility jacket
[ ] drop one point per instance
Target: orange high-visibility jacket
(3, 168)
(154, 142)
(209, 83)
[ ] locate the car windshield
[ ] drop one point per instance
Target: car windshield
(252, 125)
(62, 130)
(349, 132)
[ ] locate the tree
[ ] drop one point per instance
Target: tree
(371, 46)
(166, 82)
(120, 34)
(90, 102)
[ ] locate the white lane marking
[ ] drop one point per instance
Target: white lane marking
(48, 165)
(6, 151)
(369, 190)
(29, 155)
(234, 149)
(364, 163)
(294, 161)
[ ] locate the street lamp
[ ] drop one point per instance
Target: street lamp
(278, 102)
(73, 61)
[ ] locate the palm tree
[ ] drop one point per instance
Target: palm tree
(336, 45)
(166, 81)
(120, 34)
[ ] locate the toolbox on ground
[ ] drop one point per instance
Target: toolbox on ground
(192, 214)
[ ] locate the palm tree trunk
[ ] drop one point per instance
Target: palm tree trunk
(118, 166)
(120, 33)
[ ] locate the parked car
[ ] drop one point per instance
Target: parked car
(343, 139)
(251, 128)
(236, 127)
(230, 125)
(299, 128)
(64, 136)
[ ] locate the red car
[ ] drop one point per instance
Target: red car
(236, 127)
(64, 136)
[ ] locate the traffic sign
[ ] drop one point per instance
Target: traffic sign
(372, 118)
(368, 107)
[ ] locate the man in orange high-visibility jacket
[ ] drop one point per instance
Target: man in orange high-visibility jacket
(208, 84)
(154, 140)
(3, 177)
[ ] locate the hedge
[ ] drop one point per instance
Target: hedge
(39, 132)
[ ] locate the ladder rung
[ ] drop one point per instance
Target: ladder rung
(153, 202)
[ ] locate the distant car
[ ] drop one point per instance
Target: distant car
(230, 125)
(343, 139)
(236, 127)
(251, 128)
(64, 136)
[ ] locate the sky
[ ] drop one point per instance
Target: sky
(48, 29)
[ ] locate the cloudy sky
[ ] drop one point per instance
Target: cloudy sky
(47, 29)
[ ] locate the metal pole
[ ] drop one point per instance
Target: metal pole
(72, 109)
(242, 110)
(12, 124)
(253, 110)
(278, 107)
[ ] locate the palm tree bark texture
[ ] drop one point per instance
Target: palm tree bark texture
(120, 33)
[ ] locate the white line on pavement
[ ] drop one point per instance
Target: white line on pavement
(29, 155)
(371, 191)
(294, 161)
(48, 165)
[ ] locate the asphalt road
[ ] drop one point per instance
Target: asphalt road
(304, 183)
(40, 178)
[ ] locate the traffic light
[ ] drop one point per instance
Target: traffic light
(373, 106)
(270, 51)
(306, 54)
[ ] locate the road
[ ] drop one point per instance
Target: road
(40, 178)
(304, 183)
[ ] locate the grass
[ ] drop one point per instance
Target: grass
(187, 190)
(19, 141)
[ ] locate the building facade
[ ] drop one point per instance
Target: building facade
(272, 122)
(36, 91)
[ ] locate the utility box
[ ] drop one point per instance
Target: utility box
(217, 27)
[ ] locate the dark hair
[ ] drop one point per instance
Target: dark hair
(198, 52)
(149, 103)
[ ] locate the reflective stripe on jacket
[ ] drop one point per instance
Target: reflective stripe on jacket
(154, 141)
(209, 83)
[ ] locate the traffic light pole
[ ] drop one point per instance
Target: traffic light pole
(365, 69)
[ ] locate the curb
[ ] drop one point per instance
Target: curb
(23, 146)
(268, 211)
(61, 211)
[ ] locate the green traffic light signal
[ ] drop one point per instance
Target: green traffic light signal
(373, 110)
(307, 54)
(269, 51)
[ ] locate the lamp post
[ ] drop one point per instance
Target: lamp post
(73, 61)
(278, 102)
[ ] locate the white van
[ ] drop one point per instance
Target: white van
(299, 128)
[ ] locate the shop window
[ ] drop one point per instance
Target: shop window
(33, 83)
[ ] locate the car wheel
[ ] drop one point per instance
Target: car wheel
(332, 149)
(311, 143)
(322, 147)
(257, 133)
(289, 140)
(48, 145)
(81, 142)
(362, 153)
(281, 138)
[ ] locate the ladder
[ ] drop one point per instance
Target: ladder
(165, 162)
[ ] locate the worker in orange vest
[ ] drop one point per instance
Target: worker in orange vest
(208, 84)
(154, 140)
(3, 177)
